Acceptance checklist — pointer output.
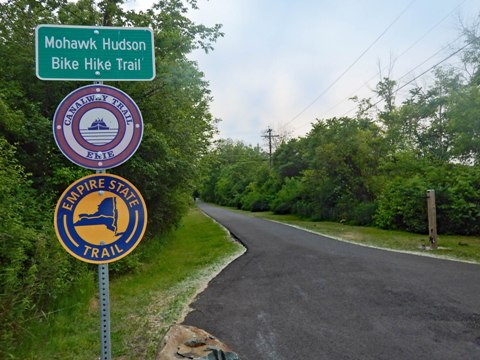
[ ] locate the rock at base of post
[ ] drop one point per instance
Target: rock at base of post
(189, 342)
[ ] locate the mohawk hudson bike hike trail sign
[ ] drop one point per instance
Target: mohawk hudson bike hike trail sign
(94, 53)
(100, 218)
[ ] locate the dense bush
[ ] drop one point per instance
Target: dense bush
(363, 213)
(458, 201)
(35, 269)
(373, 168)
(374, 171)
(402, 205)
(287, 196)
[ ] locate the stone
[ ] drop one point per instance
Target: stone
(189, 342)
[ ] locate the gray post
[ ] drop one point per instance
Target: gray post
(432, 218)
(104, 297)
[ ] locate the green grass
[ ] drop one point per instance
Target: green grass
(465, 248)
(143, 304)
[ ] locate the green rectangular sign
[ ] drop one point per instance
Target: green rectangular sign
(94, 53)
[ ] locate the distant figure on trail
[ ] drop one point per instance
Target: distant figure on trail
(196, 194)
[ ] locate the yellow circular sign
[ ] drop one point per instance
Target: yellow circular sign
(100, 218)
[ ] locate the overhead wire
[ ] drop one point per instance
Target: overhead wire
(352, 64)
(429, 58)
(398, 57)
(416, 77)
(403, 76)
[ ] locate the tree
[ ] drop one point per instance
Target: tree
(175, 106)
(344, 156)
(178, 131)
(424, 121)
(231, 166)
(464, 124)
(288, 159)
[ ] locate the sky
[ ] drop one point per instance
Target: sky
(282, 64)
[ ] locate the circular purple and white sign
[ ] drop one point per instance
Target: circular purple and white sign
(98, 127)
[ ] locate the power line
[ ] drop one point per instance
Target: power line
(403, 76)
(399, 56)
(430, 57)
(352, 64)
(416, 77)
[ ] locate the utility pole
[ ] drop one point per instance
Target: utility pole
(269, 136)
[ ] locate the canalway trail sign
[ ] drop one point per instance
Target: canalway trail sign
(98, 127)
(100, 218)
(94, 53)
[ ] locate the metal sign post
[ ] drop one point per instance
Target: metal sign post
(99, 218)
(104, 298)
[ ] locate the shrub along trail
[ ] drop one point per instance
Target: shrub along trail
(172, 270)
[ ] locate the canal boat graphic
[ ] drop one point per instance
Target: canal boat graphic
(98, 133)
(98, 124)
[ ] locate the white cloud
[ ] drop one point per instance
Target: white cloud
(279, 56)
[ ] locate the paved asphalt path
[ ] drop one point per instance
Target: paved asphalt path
(295, 295)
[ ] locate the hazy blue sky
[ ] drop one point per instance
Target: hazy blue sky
(279, 58)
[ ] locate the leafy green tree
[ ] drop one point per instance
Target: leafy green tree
(385, 90)
(232, 167)
(458, 209)
(261, 191)
(470, 55)
(33, 172)
(464, 113)
(290, 195)
(289, 159)
(344, 156)
(402, 205)
(175, 108)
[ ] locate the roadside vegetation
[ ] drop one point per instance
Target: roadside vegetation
(372, 168)
(35, 272)
(454, 247)
(144, 303)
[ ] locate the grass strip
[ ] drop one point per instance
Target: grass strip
(454, 247)
(144, 304)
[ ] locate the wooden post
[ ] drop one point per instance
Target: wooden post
(432, 218)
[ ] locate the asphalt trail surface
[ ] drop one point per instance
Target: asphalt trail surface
(296, 295)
